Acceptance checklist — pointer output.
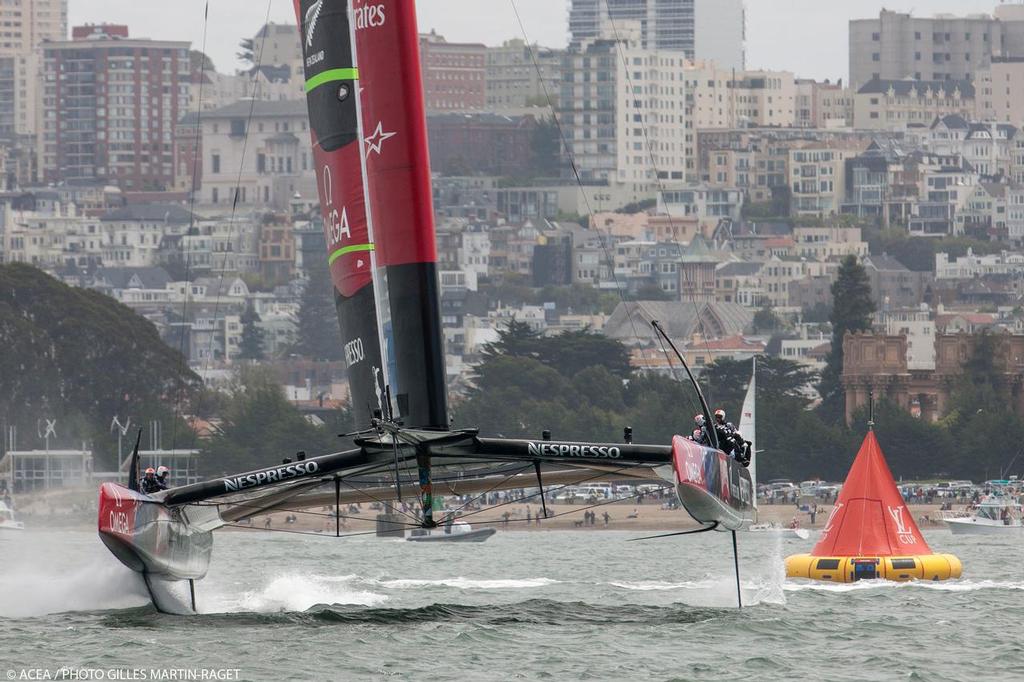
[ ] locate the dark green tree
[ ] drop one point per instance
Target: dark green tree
(765, 320)
(545, 149)
(259, 427)
(852, 307)
(251, 345)
(77, 354)
(318, 335)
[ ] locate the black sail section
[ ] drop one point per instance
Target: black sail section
(332, 92)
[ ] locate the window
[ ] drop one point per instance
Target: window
(215, 166)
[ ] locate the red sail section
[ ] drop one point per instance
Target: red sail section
(394, 124)
(344, 213)
(870, 517)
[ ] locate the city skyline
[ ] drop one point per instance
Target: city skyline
(821, 25)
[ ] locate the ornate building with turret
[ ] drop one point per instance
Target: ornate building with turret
(877, 364)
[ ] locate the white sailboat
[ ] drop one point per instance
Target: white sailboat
(748, 427)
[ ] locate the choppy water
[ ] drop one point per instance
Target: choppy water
(569, 605)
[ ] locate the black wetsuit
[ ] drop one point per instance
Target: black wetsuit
(149, 485)
(731, 443)
(162, 483)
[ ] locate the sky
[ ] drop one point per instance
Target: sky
(807, 37)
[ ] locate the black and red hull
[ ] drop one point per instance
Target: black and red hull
(151, 538)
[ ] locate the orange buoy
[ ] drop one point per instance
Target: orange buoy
(870, 533)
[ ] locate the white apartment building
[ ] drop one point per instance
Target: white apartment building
(972, 265)
(23, 27)
(474, 254)
(999, 91)
(277, 160)
(829, 243)
(623, 111)
(919, 328)
(818, 179)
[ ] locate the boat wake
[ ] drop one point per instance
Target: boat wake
(36, 588)
(959, 585)
(291, 592)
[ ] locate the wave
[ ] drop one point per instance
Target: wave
(297, 592)
(465, 583)
(941, 586)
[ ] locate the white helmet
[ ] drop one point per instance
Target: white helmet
(699, 420)
(162, 471)
(720, 414)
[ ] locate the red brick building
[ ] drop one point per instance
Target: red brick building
(110, 107)
(454, 74)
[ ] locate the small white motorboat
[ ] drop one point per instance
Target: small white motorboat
(458, 531)
(7, 520)
(994, 515)
(782, 531)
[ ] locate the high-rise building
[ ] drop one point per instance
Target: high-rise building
(454, 74)
(702, 29)
(110, 107)
(622, 108)
(898, 46)
(999, 91)
(24, 26)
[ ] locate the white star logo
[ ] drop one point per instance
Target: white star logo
(374, 141)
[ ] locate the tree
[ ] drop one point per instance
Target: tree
(247, 53)
(765, 320)
(77, 354)
(318, 334)
(545, 148)
(251, 345)
(199, 61)
(259, 427)
(852, 307)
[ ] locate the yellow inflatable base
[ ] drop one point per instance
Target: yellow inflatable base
(851, 569)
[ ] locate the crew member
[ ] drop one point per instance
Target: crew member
(700, 434)
(149, 484)
(163, 475)
(730, 440)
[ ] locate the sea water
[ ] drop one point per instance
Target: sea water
(523, 605)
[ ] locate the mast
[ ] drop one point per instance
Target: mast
(332, 81)
(384, 268)
(401, 201)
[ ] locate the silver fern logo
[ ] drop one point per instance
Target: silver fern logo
(312, 16)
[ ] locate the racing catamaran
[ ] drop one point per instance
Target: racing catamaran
(368, 129)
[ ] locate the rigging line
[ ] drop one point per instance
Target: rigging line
(516, 472)
(565, 513)
(275, 510)
(234, 205)
(299, 532)
(381, 502)
(196, 158)
(575, 170)
(549, 491)
(650, 154)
